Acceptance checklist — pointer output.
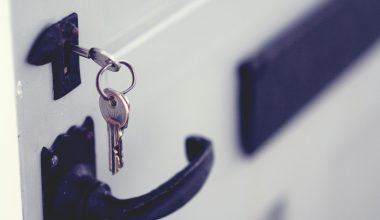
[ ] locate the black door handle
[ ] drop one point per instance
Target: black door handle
(71, 190)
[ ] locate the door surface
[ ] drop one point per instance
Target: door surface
(322, 165)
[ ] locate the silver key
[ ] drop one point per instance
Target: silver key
(116, 113)
(99, 56)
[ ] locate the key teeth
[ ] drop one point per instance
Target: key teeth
(121, 162)
(117, 163)
(118, 156)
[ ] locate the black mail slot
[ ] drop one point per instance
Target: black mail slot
(278, 81)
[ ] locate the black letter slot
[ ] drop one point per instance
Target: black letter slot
(278, 81)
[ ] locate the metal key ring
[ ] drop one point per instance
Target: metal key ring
(103, 69)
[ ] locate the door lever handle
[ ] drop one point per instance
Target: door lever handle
(165, 199)
(71, 190)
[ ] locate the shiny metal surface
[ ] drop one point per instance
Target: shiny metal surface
(100, 73)
(115, 111)
(99, 56)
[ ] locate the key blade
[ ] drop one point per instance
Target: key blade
(119, 149)
(112, 142)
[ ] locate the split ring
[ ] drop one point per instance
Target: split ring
(103, 69)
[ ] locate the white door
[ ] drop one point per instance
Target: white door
(185, 55)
